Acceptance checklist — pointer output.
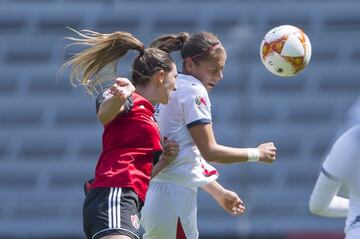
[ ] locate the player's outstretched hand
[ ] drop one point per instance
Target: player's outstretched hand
(122, 88)
(267, 152)
(170, 150)
(231, 203)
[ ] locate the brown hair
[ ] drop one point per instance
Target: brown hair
(171, 42)
(107, 49)
(198, 47)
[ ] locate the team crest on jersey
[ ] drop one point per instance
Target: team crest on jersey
(202, 104)
(135, 221)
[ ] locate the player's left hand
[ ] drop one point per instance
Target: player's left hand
(231, 203)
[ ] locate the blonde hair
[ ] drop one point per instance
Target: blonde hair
(105, 49)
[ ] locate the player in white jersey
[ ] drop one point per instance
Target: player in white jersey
(341, 167)
(171, 198)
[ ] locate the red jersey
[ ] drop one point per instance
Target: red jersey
(130, 143)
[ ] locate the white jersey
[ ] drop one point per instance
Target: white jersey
(189, 105)
(343, 165)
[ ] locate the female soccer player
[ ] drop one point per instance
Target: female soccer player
(171, 199)
(131, 139)
(341, 167)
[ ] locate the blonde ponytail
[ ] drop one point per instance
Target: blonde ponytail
(104, 50)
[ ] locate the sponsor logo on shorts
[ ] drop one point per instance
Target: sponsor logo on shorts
(135, 221)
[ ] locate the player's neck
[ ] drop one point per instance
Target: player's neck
(147, 92)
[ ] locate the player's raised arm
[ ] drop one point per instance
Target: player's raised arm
(112, 101)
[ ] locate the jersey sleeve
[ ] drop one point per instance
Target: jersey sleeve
(343, 159)
(196, 106)
(129, 103)
(101, 98)
(324, 200)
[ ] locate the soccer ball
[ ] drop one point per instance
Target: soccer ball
(285, 50)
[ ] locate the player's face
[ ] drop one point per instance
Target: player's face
(210, 72)
(168, 85)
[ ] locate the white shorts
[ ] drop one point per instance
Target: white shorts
(165, 204)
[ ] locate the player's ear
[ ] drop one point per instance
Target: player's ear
(188, 65)
(159, 77)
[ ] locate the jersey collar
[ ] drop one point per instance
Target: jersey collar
(191, 78)
(145, 102)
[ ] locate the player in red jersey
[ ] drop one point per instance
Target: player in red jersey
(131, 138)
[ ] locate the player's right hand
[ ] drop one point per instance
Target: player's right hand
(122, 88)
(267, 152)
(170, 150)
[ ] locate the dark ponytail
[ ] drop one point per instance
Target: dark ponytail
(171, 42)
(198, 47)
(201, 46)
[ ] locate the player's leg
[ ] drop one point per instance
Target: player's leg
(158, 216)
(188, 213)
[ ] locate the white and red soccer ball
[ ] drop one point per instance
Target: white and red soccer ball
(285, 50)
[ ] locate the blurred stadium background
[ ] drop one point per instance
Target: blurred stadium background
(50, 139)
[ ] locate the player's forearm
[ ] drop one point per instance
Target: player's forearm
(338, 207)
(163, 163)
(226, 155)
(214, 189)
(323, 200)
(109, 109)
